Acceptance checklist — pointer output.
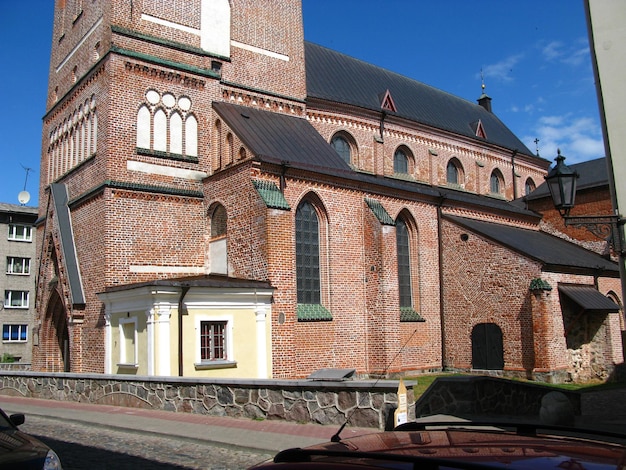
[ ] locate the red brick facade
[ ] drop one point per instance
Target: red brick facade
(139, 214)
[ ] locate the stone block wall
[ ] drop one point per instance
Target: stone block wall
(484, 397)
(362, 403)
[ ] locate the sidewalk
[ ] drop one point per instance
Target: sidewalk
(270, 436)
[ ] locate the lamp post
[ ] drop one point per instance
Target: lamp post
(561, 182)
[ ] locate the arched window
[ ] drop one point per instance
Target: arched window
(342, 147)
(165, 124)
(73, 140)
(143, 128)
(160, 131)
(191, 136)
(496, 182)
(218, 245)
(176, 133)
(400, 162)
(308, 254)
(218, 222)
(454, 172)
(404, 264)
(218, 143)
(529, 187)
(231, 150)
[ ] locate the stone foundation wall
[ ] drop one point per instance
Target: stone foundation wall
(364, 403)
(486, 397)
(15, 366)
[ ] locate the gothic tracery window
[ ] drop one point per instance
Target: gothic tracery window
(166, 124)
(74, 140)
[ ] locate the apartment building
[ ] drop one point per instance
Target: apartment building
(17, 282)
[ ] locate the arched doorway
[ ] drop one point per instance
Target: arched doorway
(487, 347)
(58, 339)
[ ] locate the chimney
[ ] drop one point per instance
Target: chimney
(485, 102)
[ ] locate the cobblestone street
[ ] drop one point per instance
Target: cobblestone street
(81, 446)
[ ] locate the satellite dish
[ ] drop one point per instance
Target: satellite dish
(23, 197)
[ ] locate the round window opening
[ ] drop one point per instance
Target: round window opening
(464, 237)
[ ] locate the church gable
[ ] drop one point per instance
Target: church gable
(479, 129)
(386, 102)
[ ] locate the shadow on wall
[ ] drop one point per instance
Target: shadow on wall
(491, 397)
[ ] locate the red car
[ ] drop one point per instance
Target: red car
(463, 446)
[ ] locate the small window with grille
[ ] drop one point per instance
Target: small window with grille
(213, 345)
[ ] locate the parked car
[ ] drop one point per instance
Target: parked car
(463, 446)
(496, 428)
(20, 451)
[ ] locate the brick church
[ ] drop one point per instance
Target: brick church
(220, 198)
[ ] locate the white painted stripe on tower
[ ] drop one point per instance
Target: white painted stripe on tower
(80, 43)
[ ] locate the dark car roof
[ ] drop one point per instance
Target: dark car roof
(551, 251)
(339, 78)
(456, 445)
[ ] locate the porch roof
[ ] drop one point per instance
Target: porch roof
(554, 253)
(589, 298)
(207, 280)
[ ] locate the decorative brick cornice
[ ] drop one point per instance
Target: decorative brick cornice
(262, 100)
(164, 42)
(167, 75)
(68, 99)
(135, 187)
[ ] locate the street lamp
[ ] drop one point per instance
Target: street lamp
(562, 185)
(561, 182)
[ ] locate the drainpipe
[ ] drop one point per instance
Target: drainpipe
(441, 293)
(183, 293)
(284, 165)
(514, 175)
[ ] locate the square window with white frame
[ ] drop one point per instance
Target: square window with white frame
(15, 333)
(215, 343)
(20, 233)
(18, 265)
(16, 299)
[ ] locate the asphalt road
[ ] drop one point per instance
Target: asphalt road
(81, 446)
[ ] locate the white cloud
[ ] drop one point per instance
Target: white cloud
(552, 50)
(502, 70)
(573, 54)
(578, 138)
(577, 57)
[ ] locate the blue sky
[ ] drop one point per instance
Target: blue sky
(534, 56)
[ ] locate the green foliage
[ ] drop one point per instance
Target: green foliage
(7, 358)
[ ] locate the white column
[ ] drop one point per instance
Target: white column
(261, 343)
(108, 344)
(150, 314)
(163, 335)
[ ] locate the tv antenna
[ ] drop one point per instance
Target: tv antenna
(24, 196)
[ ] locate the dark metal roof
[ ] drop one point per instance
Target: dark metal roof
(336, 77)
(589, 298)
(17, 209)
(551, 251)
(279, 138)
(293, 141)
(207, 281)
(60, 199)
(592, 174)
